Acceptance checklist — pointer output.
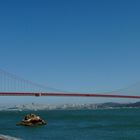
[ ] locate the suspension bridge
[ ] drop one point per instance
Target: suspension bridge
(13, 85)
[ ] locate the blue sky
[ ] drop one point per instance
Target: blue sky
(73, 45)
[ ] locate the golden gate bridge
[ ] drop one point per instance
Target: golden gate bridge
(12, 85)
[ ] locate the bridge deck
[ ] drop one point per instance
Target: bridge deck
(66, 95)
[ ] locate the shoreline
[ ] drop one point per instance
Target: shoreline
(47, 107)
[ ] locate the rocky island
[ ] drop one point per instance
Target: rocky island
(32, 120)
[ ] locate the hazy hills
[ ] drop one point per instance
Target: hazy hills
(34, 106)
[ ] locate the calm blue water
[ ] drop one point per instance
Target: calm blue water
(113, 124)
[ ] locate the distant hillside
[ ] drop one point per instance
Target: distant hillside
(70, 106)
(118, 105)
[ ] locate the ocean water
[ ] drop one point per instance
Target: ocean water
(107, 124)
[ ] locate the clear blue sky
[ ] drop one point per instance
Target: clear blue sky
(73, 45)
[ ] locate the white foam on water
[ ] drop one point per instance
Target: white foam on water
(6, 137)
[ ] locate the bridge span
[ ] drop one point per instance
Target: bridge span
(67, 95)
(12, 85)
